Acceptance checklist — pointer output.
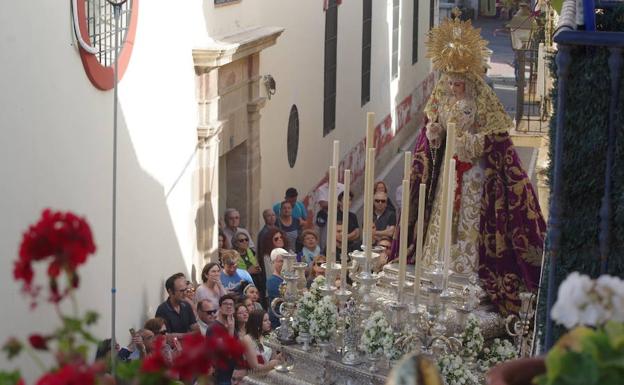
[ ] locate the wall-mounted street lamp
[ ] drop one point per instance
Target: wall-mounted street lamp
(269, 84)
(521, 27)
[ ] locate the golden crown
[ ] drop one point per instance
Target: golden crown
(456, 46)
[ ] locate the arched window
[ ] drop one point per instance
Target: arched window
(95, 23)
(292, 136)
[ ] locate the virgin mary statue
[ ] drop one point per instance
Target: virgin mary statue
(497, 226)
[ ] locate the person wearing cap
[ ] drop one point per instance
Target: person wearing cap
(274, 283)
(299, 212)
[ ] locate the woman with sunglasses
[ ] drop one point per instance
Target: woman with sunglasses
(274, 238)
(248, 260)
(316, 269)
(211, 289)
(159, 328)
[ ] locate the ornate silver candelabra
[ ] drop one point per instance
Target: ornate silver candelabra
(285, 310)
(429, 324)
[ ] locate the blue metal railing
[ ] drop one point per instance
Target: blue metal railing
(567, 37)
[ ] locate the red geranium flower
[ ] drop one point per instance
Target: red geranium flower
(65, 239)
(155, 362)
(77, 373)
(38, 342)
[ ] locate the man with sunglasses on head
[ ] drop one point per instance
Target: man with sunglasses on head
(206, 314)
(177, 313)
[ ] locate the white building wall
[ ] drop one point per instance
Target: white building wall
(57, 132)
(297, 64)
(56, 151)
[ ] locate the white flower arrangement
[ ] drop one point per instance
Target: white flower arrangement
(378, 337)
(583, 301)
(466, 366)
(305, 307)
(455, 372)
(315, 287)
(499, 351)
(323, 320)
(471, 338)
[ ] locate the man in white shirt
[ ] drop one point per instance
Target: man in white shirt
(232, 223)
(205, 314)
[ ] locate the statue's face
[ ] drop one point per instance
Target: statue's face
(457, 87)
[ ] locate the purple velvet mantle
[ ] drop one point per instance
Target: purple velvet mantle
(512, 228)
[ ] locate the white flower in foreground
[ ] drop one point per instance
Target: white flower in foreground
(572, 299)
(582, 301)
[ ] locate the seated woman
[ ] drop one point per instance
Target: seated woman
(248, 260)
(251, 293)
(241, 316)
(260, 358)
(311, 248)
(211, 289)
(273, 239)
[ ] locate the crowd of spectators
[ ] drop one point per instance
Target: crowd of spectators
(236, 292)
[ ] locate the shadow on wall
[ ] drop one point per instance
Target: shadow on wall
(148, 250)
(204, 219)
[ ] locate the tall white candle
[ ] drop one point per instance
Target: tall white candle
(403, 239)
(370, 129)
(336, 154)
(368, 200)
(331, 217)
(449, 221)
(448, 155)
(420, 225)
(407, 166)
(346, 202)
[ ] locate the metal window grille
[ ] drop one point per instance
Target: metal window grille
(101, 23)
(396, 10)
(366, 49)
(415, 33)
(331, 48)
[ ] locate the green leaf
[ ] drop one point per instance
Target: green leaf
(72, 324)
(9, 378)
(611, 377)
(128, 370)
(579, 369)
(615, 333)
(542, 379)
(12, 347)
(554, 363)
(91, 317)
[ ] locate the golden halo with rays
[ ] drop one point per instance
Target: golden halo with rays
(456, 46)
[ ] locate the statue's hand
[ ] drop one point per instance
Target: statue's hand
(434, 131)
